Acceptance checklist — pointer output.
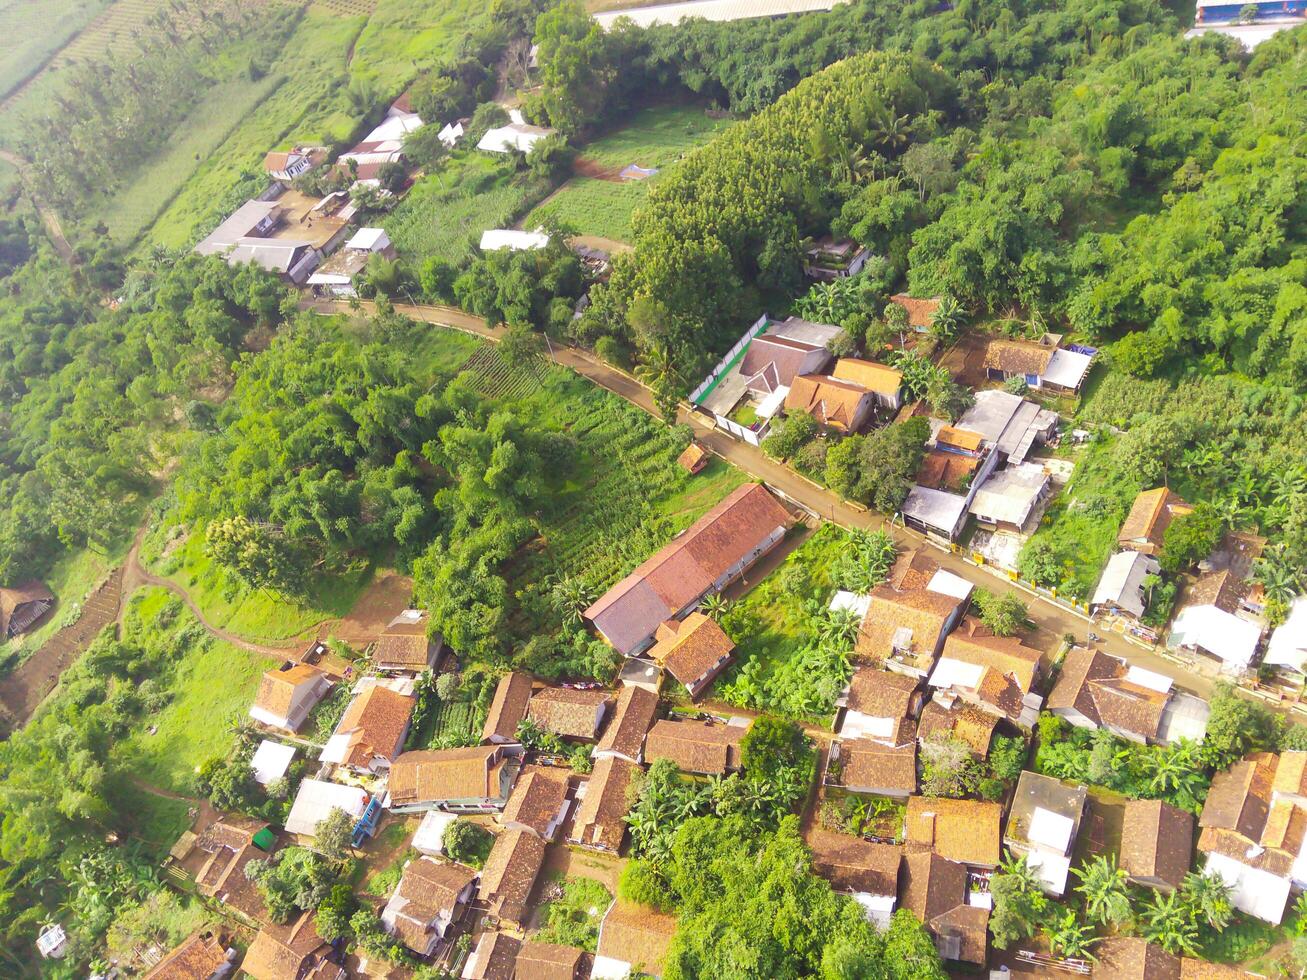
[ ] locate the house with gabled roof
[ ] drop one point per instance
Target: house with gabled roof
(993, 673)
(959, 720)
(863, 766)
(1011, 498)
(569, 712)
(538, 804)
(1134, 958)
(1043, 823)
(840, 405)
(600, 821)
(884, 383)
(939, 893)
(1150, 515)
(634, 714)
(703, 747)
(1010, 425)
(694, 650)
(21, 607)
(404, 647)
(203, 956)
(508, 708)
(429, 899)
(1121, 590)
(965, 831)
(291, 952)
(919, 310)
(231, 844)
(1039, 365)
(1097, 690)
(287, 694)
(715, 551)
(499, 956)
(1157, 844)
(879, 705)
(372, 730)
(905, 627)
(1211, 620)
(633, 939)
(478, 779)
(866, 872)
(510, 873)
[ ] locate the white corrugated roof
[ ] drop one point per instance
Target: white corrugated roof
(369, 240)
(1253, 891)
(1149, 679)
(430, 835)
(1050, 830)
(498, 238)
(1050, 869)
(1288, 646)
(318, 798)
(1122, 583)
(271, 760)
(955, 673)
(1220, 633)
(1010, 494)
(715, 10)
(513, 137)
(851, 601)
(946, 583)
(936, 508)
(1067, 368)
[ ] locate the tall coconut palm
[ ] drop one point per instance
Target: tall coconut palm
(571, 596)
(1279, 580)
(1106, 890)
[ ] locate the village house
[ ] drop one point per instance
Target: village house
(22, 606)
(994, 673)
(452, 132)
(716, 550)
(1133, 958)
(1150, 515)
(383, 145)
(336, 276)
(1253, 826)
(1157, 844)
(1039, 365)
(933, 508)
(231, 844)
(271, 761)
(1096, 690)
(286, 165)
(499, 956)
(864, 766)
(704, 747)
(203, 956)
(494, 239)
(1211, 621)
(470, 780)
(292, 952)
(829, 258)
(1008, 424)
(1012, 498)
(839, 405)
(784, 351)
(949, 473)
(372, 730)
(510, 873)
(920, 311)
(1042, 824)
(568, 712)
(600, 821)
(538, 803)
(879, 706)
(507, 709)
(1122, 589)
(624, 737)
(883, 382)
(866, 872)
(287, 694)
(939, 892)
(404, 647)
(1287, 649)
(429, 899)
(910, 615)
(317, 798)
(250, 235)
(633, 939)
(694, 651)
(965, 831)
(514, 138)
(694, 458)
(970, 726)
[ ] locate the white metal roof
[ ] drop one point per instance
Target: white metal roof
(318, 798)
(1288, 646)
(1220, 633)
(955, 673)
(1254, 891)
(772, 402)
(1067, 368)
(1249, 35)
(991, 413)
(859, 725)
(1149, 679)
(451, 133)
(497, 238)
(1122, 583)
(1050, 830)
(430, 835)
(514, 137)
(940, 510)
(946, 583)
(716, 10)
(271, 760)
(369, 240)
(1010, 494)
(1050, 869)
(852, 601)
(804, 331)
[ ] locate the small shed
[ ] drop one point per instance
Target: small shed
(271, 761)
(52, 942)
(430, 836)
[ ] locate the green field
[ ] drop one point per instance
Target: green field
(404, 35)
(654, 139)
(34, 30)
(72, 578)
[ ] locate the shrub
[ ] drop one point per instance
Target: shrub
(467, 843)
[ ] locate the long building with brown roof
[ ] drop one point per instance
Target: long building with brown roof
(636, 709)
(1157, 843)
(863, 766)
(1150, 515)
(937, 891)
(538, 803)
(713, 552)
(510, 873)
(600, 820)
(636, 935)
(867, 872)
(404, 646)
(477, 779)
(568, 712)
(291, 952)
(965, 831)
(372, 730)
(1096, 690)
(884, 382)
(694, 651)
(904, 628)
(200, 957)
(508, 708)
(429, 898)
(993, 673)
(840, 405)
(703, 747)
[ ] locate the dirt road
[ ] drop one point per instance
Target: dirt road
(1047, 616)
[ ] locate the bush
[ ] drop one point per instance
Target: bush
(788, 434)
(641, 883)
(467, 843)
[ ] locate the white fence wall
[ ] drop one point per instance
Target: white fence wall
(758, 327)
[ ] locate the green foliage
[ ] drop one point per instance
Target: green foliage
(788, 434)
(1004, 613)
(642, 884)
(1190, 538)
(1105, 889)
(334, 913)
(865, 561)
(294, 879)
(332, 837)
(1020, 906)
(573, 918)
(467, 843)
(878, 469)
(518, 287)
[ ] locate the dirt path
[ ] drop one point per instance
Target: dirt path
(53, 226)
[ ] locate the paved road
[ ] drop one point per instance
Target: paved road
(1047, 616)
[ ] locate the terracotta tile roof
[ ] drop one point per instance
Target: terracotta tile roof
(1218, 840)
(1157, 841)
(1291, 774)
(924, 614)
(1240, 797)
(277, 688)
(495, 957)
(195, 959)
(568, 712)
(912, 570)
(601, 815)
(1222, 589)
(695, 746)
(549, 961)
(1017, 356)
(1131, 958)
(935, 890)
(282, 952)
(508, 707)
(510, 873)
(966, 831)
(536, 799)
(960, 438)
(1150, 515)
(1006, 656)
(444, 774)
(830, 401)
(962, 721)
(636, 934)
(404, 645)
(692, 648)
(776, 359)
(375, 722)
(880, 378)
(691, 457)
(868, 765)
(635, 711)
(881, 693)
(21, 595)
(945, 471)
(1192, 969)
(223, 877)
(1129, 707)
(427, 889)
(688, 567)
(919, 310)
(853, 864)
(1079, 667)
(1286, 826)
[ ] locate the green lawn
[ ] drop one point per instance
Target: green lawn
(404, 35)
(34, 30)
(573, 918)
(157, 821)
(211, 689)
(255, 614)
(654, 139)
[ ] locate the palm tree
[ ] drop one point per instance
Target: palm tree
(1279, 580)
(1209, 897)
(946, 319)
(1169, 922)
(571, 596)
(839, 628)
(1106, 890)
(715, 606)
(1070, 938)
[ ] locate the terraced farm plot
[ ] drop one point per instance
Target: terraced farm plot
(597, 202)
(34, 31)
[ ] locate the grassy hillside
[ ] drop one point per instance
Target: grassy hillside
(34, 30)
